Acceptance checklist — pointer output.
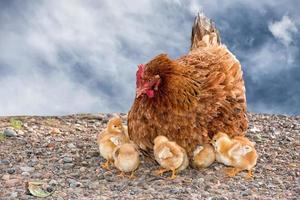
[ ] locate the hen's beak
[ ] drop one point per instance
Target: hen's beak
(143, 89)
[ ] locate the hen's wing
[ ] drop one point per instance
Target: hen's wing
(222, 100)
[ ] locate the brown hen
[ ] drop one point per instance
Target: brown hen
(189, 99)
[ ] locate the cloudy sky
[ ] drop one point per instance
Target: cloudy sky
(71, 56)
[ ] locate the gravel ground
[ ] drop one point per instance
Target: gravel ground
(61, 151)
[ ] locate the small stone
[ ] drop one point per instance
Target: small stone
(27, 169)
(82, 169)
(73, 183)
(25, 174)
(4, 162)
(53, 182)
(20, 132)
(84, 163)
(68, 165)
(71, 146)
(10, 133)
(94, 185)
(6, 177)
(67, 160)
(201, 180)
(11, 170)
(55, 131)
(37, 175)
(12, 182)
(14, 195)
(47, 175)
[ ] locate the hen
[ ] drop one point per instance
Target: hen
(189, 99)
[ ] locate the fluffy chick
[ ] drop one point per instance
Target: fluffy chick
(126, 158)
(204, 156)
(170, 156)
(110, 138)
(238, 152)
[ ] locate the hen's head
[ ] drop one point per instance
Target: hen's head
(146, 83)
(152, 77)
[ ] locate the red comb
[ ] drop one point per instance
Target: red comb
(139, 74)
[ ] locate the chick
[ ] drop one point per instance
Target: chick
(170, 156)
(238, 152)
(110, 138)
(126, 158)
(204, 156)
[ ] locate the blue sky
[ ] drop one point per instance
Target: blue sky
(62, 57)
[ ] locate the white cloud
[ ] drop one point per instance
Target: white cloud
(195, 7)
(283, 30)
(43, 42)
(269, 59)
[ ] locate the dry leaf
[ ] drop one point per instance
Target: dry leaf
(36, 189)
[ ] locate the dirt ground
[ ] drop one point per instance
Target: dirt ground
(62, 152)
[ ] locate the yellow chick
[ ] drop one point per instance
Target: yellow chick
(110, 138)
(170, 156)
(204, 156)
(126, 158)
(238, 152)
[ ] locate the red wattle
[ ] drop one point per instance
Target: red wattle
(150, 93)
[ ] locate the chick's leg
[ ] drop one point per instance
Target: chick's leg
(232, 171)
(173, 174)
(121, 175)
(249, 174)
(106, 165)
(160, 171)
(132, 176)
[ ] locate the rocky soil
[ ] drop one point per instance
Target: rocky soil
(62, 153)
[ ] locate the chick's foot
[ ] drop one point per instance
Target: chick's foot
(173, 176)
(249, 175)
(106, 165)
(160, 172)
(231, 172)
(121, 175)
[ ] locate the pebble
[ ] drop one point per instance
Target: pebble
(71, 146)
(68, 165)
(14, 195)
(84, 163)
(4, 162)
(27, 169)
(11, 170)
(9, 133)
(67, 159)
(20, 132)
(25, 174)
(73, 183)
(37, 175)
(53, 182)
(5, 177)
(12, 182)
(82, 169)
(94, 185)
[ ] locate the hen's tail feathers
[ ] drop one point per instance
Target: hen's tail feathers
(204, 33)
